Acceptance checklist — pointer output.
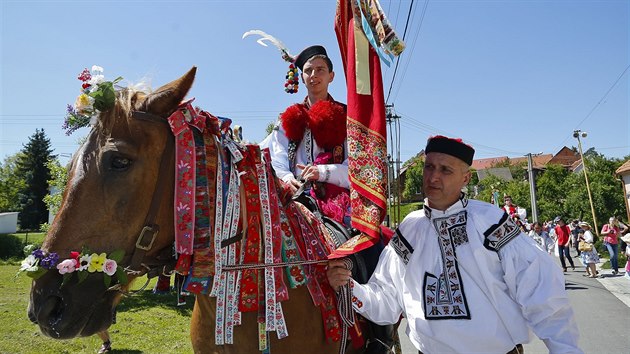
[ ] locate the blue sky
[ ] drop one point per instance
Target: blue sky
(509, 77)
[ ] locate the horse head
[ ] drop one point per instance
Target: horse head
(112, 180)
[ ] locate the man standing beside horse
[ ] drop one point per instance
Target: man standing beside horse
(462, 273)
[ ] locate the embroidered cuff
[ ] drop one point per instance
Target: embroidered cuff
(324, 173)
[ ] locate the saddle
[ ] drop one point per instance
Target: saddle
(339, 234)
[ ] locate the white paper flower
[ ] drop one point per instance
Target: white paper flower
(95, 80)
(29, 264)
(84, 262)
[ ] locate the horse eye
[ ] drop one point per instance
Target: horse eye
(120, 163)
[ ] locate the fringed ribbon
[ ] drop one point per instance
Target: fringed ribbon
(225, 255)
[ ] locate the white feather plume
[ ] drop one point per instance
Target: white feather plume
(267, 37)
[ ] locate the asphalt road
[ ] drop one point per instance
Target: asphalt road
(602, 311)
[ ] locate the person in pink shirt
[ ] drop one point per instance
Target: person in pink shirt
(611, 233)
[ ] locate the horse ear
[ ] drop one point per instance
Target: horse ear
(164, 101)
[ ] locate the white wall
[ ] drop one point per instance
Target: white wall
(8, 222)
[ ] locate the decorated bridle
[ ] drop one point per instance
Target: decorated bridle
(164, 262)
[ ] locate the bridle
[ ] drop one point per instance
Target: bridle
(164, 262)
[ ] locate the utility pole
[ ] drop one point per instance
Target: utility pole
(394, 133)
(532, 186)
(390, 179)
(577, 134)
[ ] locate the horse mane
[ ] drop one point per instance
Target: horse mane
(126, 101)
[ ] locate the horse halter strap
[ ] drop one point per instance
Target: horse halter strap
(149, 232)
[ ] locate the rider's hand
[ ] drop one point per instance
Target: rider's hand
(309, 172)
(294, 184)
(337, 274)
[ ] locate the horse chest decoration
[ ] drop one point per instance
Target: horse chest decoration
(156, 172)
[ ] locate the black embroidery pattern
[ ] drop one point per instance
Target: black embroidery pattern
(444, 296)
(401, 246)
(308, 146)
(292, 154)
(462, 199)
(498, 235)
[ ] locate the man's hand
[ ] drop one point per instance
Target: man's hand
(294, 185)
(337, 274)
(309, 172)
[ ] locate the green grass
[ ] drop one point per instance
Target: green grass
(31, 237)
(405, 209)
(603, 253)
(146, 323)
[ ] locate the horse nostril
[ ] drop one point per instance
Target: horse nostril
(51, 311)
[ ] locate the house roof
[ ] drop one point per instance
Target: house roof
(482, 164)
(565, 157)
(624, 169)
(538, 161)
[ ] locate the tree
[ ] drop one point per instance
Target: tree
(270, 127)
(57, 184)
(605, 187)
(552, 191)
(518, 189)
(32, 169)
(58, 181)
(413, 178)
(10, 184)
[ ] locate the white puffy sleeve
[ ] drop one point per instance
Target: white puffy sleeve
(380, 300)
(278, 144)
(536, 283)
(336, 174)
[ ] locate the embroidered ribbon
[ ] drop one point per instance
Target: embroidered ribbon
(274, 207)
(203, 267)
(223, 281)
(181, 123)
(253, 250)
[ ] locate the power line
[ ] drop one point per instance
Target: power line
(597, 104)
(412, 48)
(398, 58)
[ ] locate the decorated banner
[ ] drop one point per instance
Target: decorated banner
(362, 33)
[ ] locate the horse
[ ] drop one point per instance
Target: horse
(115, 192)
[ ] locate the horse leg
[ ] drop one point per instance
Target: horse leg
(202, 326)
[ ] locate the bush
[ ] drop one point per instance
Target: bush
(10, 247)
